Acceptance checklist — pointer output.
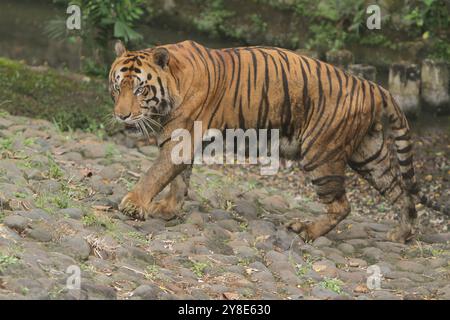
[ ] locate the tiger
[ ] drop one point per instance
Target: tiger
(327, 119)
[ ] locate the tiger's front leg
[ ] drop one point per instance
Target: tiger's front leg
(168, 207)
(140, 204)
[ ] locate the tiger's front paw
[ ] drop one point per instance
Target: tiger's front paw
(131, 206)
(165, 209)
(302, 228)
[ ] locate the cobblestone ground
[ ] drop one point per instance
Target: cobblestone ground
(59, 193)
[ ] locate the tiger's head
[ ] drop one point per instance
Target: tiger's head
(141, 87)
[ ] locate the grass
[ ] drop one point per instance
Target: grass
(6, 143)
(48, 202)
(332, 284)
(302, 269)
(138, 236)
(98, 220)
(53, 95)
(243, 226)
(54, 171)
(244, 262)
(198, 268)
(20, 195)
(152, 272)
(6, 261)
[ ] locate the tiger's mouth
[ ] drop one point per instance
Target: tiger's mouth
(132, 129)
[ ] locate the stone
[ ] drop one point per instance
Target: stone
(5, 123)
(260, 227)
(355, 232)
(95, 291)
(322, 242)
(35, 215)
(337, 258)
(373, 253)
(325, 268)
(245, 252)
(355, 262)
(217, 214)
(275, 203)
(101, 186)
(283, 239)
(72, 156)
(93, 150)
(404, 85)
(444, 292)
(436, 237)
(410, 266)
(346, 248)
(197, 218)
(76, 247)
(435, 77)
(246, 209)
(40, 234)
(74, 213)
(147, 292)
(384, 295)
(322, 293)
(112, 172)
(229, 224)
(16, 222)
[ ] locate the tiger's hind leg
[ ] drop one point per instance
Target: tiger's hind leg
(329, 182)
(372, 160)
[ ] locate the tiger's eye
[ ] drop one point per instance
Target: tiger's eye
(139, 91)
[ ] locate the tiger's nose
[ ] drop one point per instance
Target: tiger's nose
(123, 117)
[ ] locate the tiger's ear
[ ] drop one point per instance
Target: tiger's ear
(119, 48)
(161, 57)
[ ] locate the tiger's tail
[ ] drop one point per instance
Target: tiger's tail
(404, 147)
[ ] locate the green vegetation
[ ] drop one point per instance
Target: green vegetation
(152, 272)
(6, 261)
(53, 96)
(324, 25)
(332, 284)
(102, 21)
(198, 268)
(99, 220)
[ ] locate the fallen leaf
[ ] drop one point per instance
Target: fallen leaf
(101, 208)
(230, 296)
(361, 288)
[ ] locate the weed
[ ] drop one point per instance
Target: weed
(152, 272)
(198, 268)
(6, 261)
(332, 284)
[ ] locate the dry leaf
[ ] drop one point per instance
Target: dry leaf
(101, 208)
(361, 288)
(230, 296)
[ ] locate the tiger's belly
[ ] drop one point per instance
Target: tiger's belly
(290, 149)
